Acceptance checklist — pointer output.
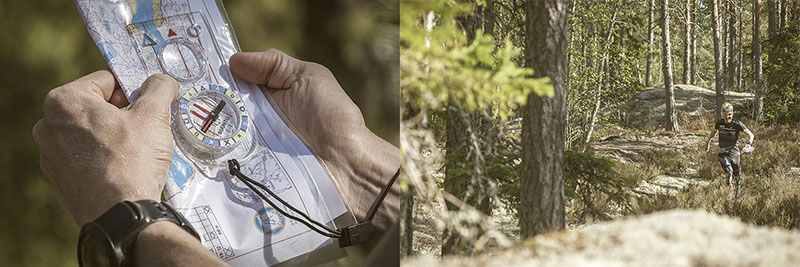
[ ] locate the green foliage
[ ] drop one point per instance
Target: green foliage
(778, 149)
(640, 172)
(505, 167)
(670, 161)
(596, 186)
(444, 77)
(595, 37)
(439, 68)
(782, 99)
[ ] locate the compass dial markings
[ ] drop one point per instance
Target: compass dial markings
(215, 115)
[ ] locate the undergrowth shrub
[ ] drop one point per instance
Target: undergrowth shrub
(770, 195)
(637, 172)
(593, 187)
(707, 164)
(670, 161)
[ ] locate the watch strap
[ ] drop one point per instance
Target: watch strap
(161, 211)
(123, 222)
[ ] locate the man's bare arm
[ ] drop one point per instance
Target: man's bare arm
(167, 244)
(750, 136)
(710, 136)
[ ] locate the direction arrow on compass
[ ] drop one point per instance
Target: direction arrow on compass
(213, 116)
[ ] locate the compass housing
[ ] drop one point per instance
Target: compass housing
(211, 125)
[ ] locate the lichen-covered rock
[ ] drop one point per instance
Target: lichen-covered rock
(691, 102)
(670, 238)
(666, 184)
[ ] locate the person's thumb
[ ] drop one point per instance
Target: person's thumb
(272, 68)
(155, 97)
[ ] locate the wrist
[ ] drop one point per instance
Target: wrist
(112, 237)
(369, 164)
(158, 242)
(103, 204)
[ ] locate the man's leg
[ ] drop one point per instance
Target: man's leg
(734, 160)
(725, 161)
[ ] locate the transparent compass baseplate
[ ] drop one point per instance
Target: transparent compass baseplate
(211, 125)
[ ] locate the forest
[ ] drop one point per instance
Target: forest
(533, 125)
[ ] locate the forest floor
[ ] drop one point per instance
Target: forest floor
(671, 163)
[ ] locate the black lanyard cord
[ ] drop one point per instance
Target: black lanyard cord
(234, 167)
(374, 208)
(353, 234)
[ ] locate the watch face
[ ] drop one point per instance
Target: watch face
(93, 253)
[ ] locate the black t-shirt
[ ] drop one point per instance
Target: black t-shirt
(729, 133)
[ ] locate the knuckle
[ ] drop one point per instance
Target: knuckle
(55, 93)
(316, 74)
(58, 99)
(273, 50)
(317, 69)
(153, 117)
(157, 79)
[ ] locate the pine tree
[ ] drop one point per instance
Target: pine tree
(542, 182)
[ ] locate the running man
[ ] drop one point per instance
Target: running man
(728, 148)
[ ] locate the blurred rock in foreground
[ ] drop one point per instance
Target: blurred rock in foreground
(670, 238)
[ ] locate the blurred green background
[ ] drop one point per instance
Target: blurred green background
(45, 44)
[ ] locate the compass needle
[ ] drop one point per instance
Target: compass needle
(213, 116)
(212, 123)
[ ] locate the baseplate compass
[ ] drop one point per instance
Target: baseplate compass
(213, 124)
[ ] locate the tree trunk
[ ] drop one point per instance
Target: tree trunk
(648, 72)
(687, 44)
(731, 47)
(782, 14)
(407, 222)
(603, 68)
(590, 128)
(772, 19)
(488, 18)
(693, 79)
(757, 68)
(670, 121)
(772, 30)
(542, 181)
(723, 22)
(739, 67)
(461, 179)
(717, 59)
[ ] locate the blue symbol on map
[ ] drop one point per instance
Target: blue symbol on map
(143, 19)
(269, 221)
(148, 41)
(108, 51)
(180, 170)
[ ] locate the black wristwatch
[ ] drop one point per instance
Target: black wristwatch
(108, 240)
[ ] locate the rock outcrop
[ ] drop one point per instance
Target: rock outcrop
(691, 103)
(670, 238)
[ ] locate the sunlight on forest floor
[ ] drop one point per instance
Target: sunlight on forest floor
(674, 173)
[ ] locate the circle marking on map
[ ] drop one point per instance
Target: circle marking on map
(269, 221)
